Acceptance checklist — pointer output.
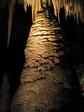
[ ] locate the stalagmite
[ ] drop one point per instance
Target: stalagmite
(47, 82)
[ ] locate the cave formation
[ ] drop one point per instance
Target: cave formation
(12, 59)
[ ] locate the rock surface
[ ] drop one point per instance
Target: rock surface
(46, 84)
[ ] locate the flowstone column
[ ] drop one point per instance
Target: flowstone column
(47, 83)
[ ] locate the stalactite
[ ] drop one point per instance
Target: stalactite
(49, 2)
(33, 9)
(11, 10)
(25, 6)
(72, 7)
(55, 6)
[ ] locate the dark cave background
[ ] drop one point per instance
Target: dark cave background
(12, 59)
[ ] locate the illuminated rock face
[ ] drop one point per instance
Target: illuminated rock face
(46, 84)
(43, 49)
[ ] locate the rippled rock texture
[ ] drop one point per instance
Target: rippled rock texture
(47, 83)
